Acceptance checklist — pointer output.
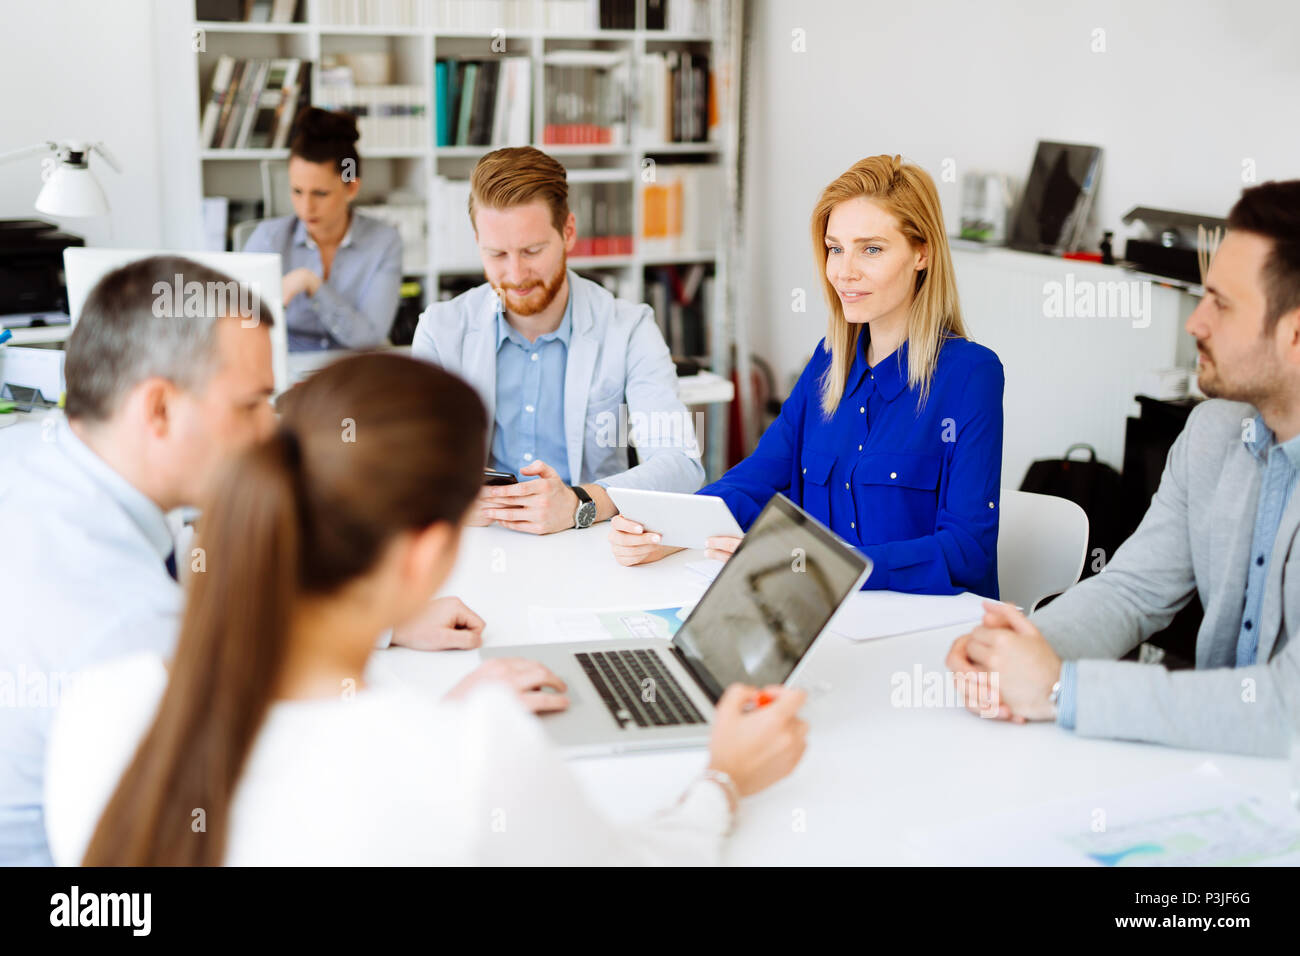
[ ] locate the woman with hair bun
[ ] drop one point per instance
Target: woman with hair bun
(342, 270)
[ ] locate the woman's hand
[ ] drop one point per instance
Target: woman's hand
(445, 625)
(633, 544)
(757, 743)
(722, 546)
(299, 280)
(535, 685)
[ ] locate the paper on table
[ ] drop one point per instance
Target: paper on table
(870, 614)
(1194, 819)
(867, 615)
(552, 624)
(708, 568)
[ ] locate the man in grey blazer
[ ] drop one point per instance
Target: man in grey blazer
(1222, 525)
(568, 372)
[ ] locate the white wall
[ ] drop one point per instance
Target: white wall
(1183, 94)
(84, 70)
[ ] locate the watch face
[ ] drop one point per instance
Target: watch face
(586, 514)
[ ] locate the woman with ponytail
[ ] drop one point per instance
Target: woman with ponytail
(263, 744)
(892, 436)
(343, 270)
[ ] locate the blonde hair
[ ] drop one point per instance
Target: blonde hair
(516, 176)
(906, 192)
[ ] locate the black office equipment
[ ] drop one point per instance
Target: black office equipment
(32, 290)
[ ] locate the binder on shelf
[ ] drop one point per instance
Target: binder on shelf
(587, 94)
(484, 102)
(252, 102)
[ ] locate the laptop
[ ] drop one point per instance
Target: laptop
(754, 625)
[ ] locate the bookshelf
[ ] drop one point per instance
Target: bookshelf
(554, 38)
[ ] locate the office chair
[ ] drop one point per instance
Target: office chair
(1042, 545)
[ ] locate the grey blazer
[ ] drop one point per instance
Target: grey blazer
(1195, 537)
(619, 381)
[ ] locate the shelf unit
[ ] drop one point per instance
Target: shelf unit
(410, 172)
(245, 173)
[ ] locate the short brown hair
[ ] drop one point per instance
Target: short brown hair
(516, 176)
(1272, 210)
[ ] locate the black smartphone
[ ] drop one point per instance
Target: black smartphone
(491, 477)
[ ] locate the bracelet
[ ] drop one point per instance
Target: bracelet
(723, 780)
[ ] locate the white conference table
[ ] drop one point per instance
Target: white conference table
(873, 773)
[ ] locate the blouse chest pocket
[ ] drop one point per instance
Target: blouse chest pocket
(816, 467)
(894, 493)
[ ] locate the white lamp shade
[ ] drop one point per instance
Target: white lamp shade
(72, 191)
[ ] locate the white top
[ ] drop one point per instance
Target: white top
(386, 777)
(84, 579)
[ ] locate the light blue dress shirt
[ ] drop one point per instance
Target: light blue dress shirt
(87, 583)
(1280, 465)
(530, 397)
(354, 308)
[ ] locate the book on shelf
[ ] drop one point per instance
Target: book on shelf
(252, 102)
(409, 219)
(454, 244)
(678, 100)
(682, 300)
(679, 209)
(587, 93)
(679, 16)
(452, 15)
(388, 117)
(616, 14)
(603, 213)
(483, 102)
(247, 11)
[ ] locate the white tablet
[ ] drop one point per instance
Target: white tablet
(684, 521)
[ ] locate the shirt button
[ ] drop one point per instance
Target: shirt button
(862, 409)
(1248, 625)
(846, 486)
(805, 471)
(527, 456)
(859, 448)
(893, 474)
(990, 504)
(1260, 560)
(852, 525)
(528, 408)
(534, 356)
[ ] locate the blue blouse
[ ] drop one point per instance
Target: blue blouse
(915, 490)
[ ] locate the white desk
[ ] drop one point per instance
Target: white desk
(872, 772)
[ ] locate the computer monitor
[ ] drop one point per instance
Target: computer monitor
(260, 271)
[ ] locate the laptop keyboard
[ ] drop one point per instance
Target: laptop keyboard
(625, 679)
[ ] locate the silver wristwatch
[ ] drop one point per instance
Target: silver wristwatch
(585, 516)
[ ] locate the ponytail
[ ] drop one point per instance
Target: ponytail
(219, 689)
(303, 514)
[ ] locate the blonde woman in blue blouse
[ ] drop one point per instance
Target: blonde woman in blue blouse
(893, 435)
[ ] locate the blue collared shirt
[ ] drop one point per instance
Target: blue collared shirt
(1280, 465)
(914, 488)
(530, 397)
(355, 307)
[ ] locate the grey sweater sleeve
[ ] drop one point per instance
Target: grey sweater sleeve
(1250, 710)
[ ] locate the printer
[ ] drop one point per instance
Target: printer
(32, 290)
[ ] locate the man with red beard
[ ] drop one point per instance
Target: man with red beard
(562, 365)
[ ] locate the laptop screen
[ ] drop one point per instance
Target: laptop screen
(770, 600)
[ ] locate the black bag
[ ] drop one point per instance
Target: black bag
(1096, 488)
